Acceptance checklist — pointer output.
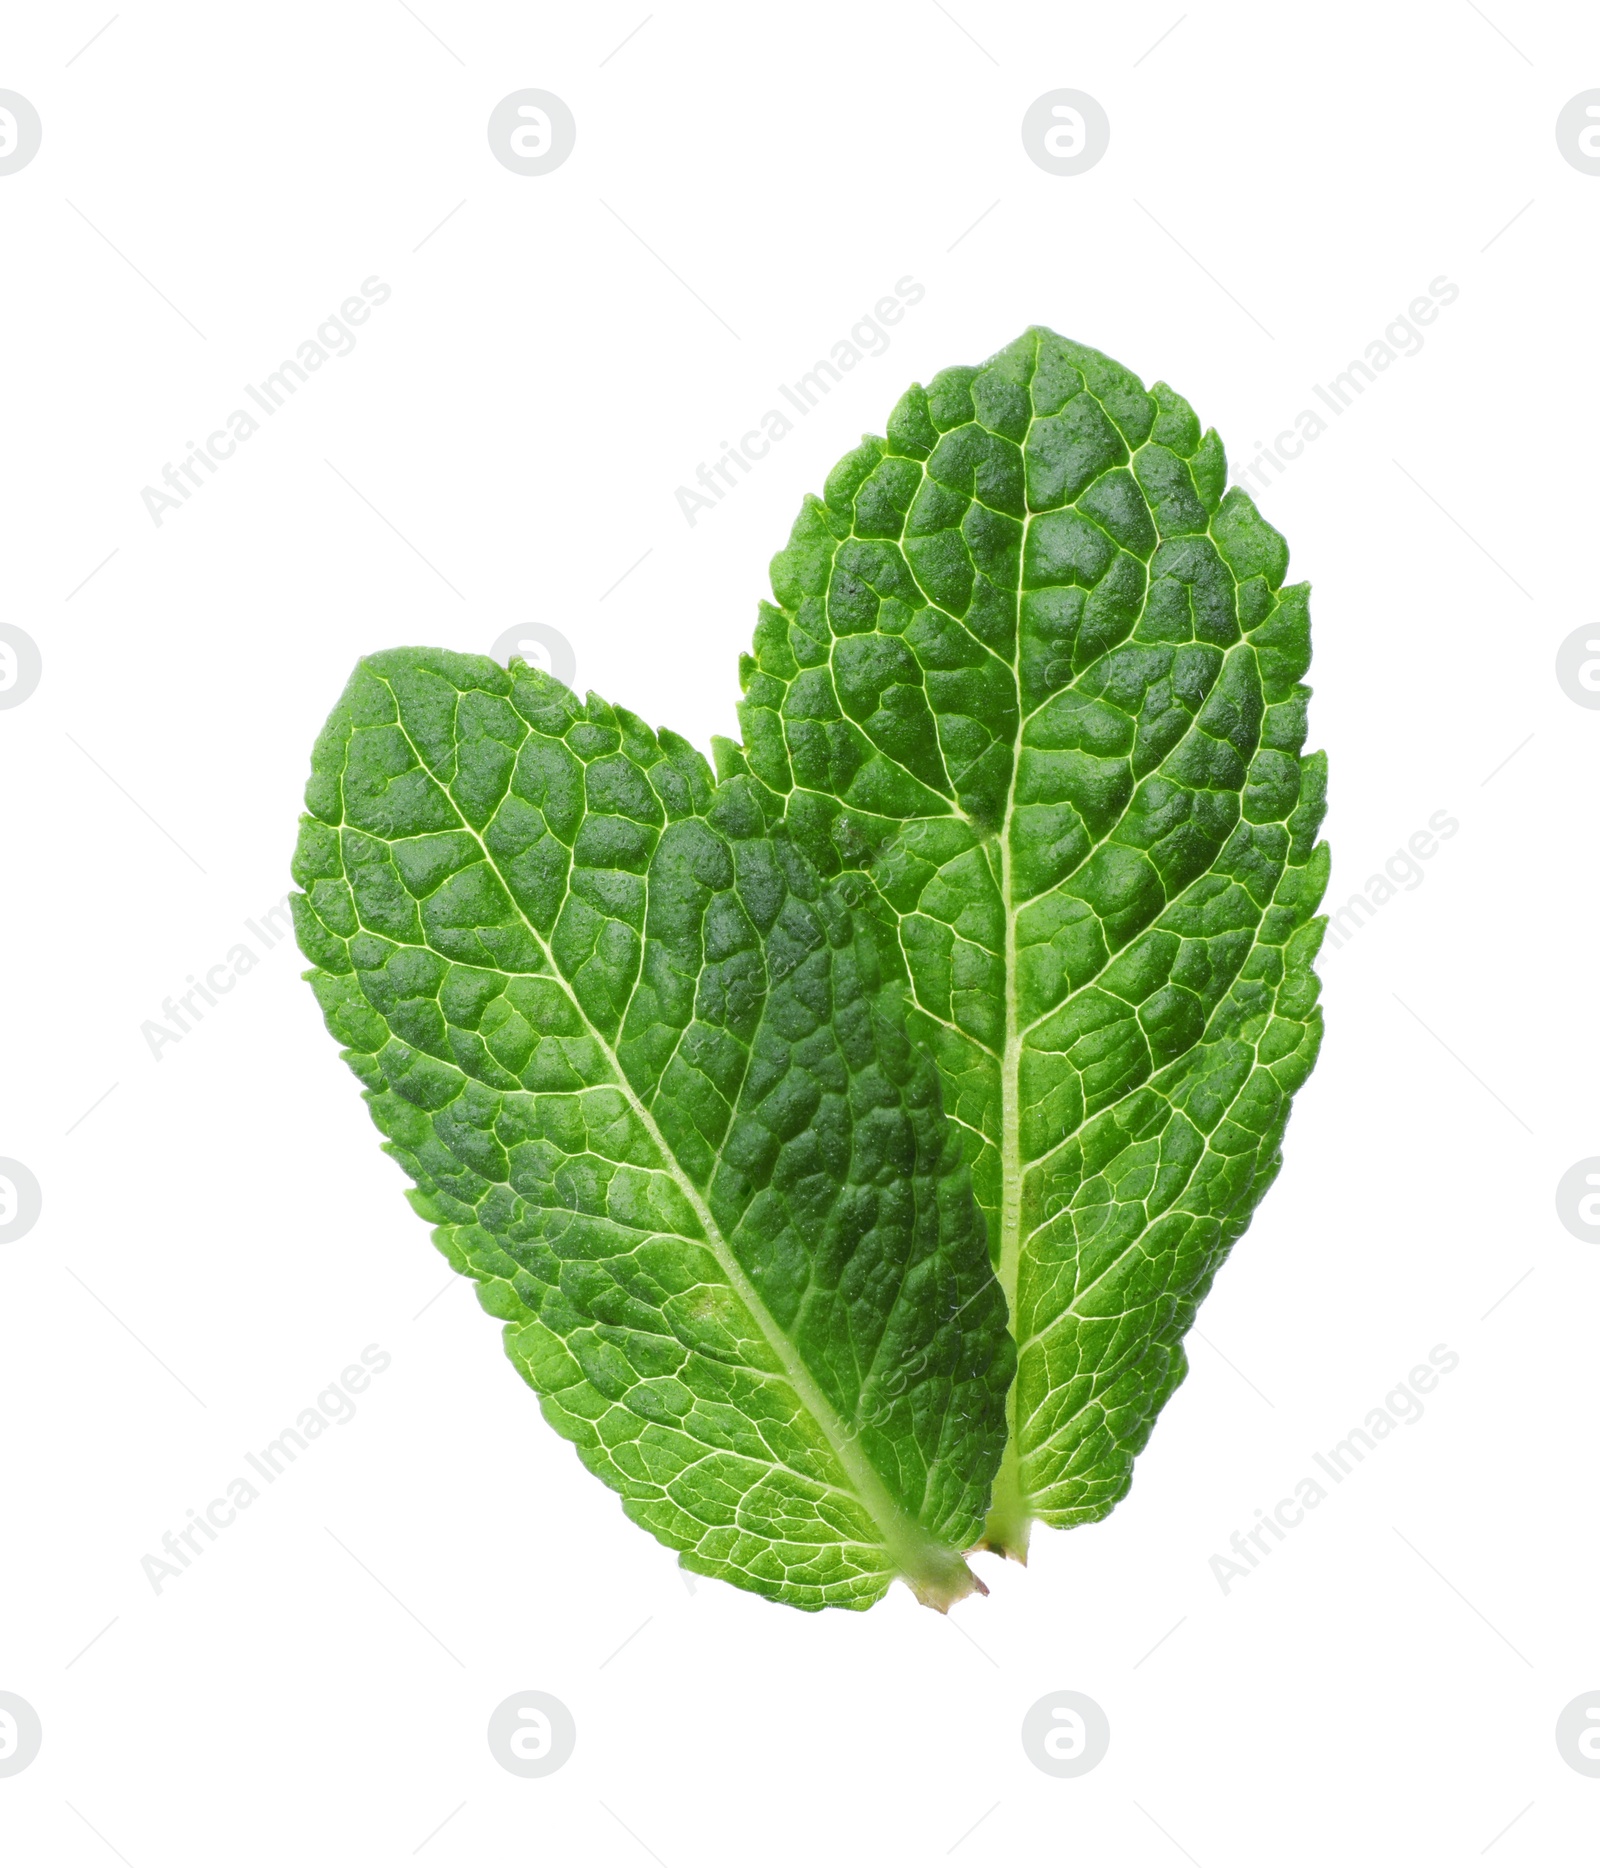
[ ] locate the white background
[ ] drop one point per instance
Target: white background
(221, 1234)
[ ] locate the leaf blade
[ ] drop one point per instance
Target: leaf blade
(1034, 673)
(652, 1086)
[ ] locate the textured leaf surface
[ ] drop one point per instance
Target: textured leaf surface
(652, 1082)
(1036, 674)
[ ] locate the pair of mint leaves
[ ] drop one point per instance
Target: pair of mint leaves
(847, 1137)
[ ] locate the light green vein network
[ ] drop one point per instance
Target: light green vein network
(1033, 674)
(651, 1080)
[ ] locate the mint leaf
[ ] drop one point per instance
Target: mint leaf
(1036, 675)
(652, 1083)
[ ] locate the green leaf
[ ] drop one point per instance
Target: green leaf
(651, 1080)
(1035, 674)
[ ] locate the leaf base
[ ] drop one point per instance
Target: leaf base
(1005, 1531)
(951, 1585)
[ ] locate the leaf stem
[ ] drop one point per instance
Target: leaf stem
(1006, 1530)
